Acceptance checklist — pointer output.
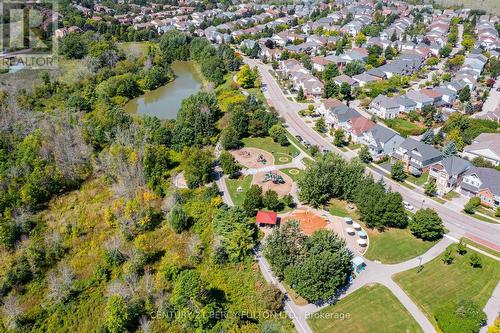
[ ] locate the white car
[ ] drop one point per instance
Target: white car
(407, 205)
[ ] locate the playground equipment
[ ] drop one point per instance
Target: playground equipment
(274, 177)
(261, 159)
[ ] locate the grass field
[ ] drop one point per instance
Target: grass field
(437, 284)
(294, 173)
(282, 155)
(339, 208)
(233, 184)
(371, 309)
(395, 245)
(404, 127)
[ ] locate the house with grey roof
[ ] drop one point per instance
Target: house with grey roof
(419, 98)
(339, 116)
(487, 146)
(381, 141)
(448, 173)
(384, 107)
(364, 78)
(483, 183)
(417, 157)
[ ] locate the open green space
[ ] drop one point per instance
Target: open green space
(282, 155)
(371, 309)
(419, 181)
(438, 284)
(294, 173)
(395, 245)
(234, 184)
(339, 208)
(404, 127)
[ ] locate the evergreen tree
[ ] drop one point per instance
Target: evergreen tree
(300, 94)
(450, 149)
(428, 136)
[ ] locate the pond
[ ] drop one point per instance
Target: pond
(165, 102)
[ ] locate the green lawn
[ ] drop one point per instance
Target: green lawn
(404, 127)
(395, 245)
(419, 181)
(487, 211)
(294, 173)
(354, 146)
(438, 284)
(338, 208)
(483, 218)
(451, 195)
(233, 184)
(371, 309)
(282, 155)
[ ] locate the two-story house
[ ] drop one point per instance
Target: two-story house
(384, 107)
(448, 173)
(483, 183)
(381, 141)
(416, 156)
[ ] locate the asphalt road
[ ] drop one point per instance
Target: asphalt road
(456, 222)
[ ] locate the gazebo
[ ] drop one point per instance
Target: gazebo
(265, 218)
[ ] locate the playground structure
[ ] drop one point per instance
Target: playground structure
(282, 183)
(251, 157)
(274, 177)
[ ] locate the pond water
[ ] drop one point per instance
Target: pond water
(165, 101)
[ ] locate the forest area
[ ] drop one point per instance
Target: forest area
(94, 236)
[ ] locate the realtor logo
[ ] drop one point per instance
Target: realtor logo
(26, 34)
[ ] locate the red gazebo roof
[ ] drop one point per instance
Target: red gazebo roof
(266, 217)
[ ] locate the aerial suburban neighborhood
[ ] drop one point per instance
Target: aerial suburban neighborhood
(250, 166)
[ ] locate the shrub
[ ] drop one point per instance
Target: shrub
(178, 219)
(471, 206)
(466, 316)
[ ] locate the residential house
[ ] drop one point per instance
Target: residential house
(448, 173)
(419, 98)
(319, 63)
(416, 156)
(487, 146)
(483, 183)
(328, 104)
(344, 78)
(384, 107)
(381, 141)
(357, 127)
(339, 116)
(364, 78)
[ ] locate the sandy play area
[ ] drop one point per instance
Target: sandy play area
(281, 189)
(249, 157)
(309, 222)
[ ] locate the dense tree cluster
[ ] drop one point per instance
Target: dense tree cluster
(332, 177)
(316, 267)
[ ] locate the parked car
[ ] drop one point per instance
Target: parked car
(299, 138)
(324, 150)
(408, 205)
